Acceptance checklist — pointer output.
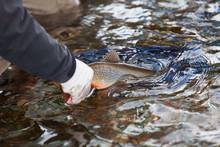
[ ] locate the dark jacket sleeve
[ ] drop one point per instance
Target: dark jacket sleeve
(26, 44)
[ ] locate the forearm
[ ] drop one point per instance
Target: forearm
(25, 43)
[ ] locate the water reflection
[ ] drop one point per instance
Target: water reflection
(178, 107)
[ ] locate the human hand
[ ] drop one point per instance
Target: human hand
(79, 86)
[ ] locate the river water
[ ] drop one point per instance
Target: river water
(180, 39)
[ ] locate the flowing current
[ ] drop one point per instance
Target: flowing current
(180, 39)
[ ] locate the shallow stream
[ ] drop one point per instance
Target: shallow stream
(180, 39)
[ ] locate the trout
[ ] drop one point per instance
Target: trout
(108, 71)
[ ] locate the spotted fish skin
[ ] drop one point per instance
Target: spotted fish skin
(108, 72)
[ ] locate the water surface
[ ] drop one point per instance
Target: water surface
(179, 107)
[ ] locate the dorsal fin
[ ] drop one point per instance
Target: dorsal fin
(111, 57)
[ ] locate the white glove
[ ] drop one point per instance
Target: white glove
(79, 86)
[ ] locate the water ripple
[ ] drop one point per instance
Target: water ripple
(179, 39)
